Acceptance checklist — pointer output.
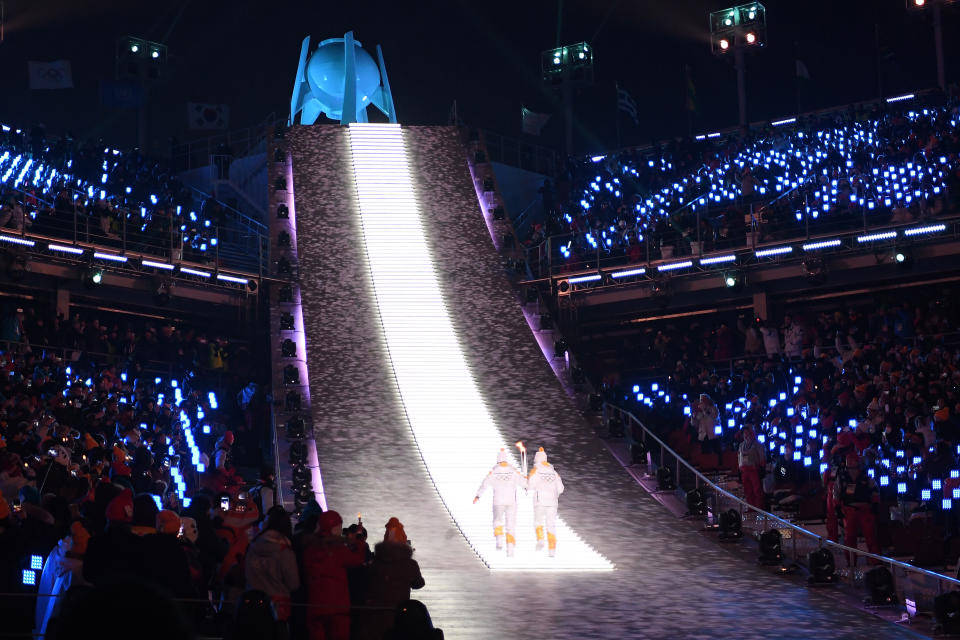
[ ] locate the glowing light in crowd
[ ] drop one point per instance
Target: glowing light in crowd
(431, 371)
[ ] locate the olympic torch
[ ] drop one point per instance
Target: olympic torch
(523, 457)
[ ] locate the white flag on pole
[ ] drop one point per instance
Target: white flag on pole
(50, 75)
(626, 104)
(208, 116)
(532, 122)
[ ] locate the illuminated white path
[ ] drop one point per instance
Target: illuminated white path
(456, 436)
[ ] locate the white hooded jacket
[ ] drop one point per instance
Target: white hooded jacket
(504, 479)
(544, 481)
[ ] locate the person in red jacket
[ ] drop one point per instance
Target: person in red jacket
(326, 557)
(860, 498)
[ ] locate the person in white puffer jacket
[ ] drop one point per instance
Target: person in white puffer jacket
(547, 486)
(504, 479)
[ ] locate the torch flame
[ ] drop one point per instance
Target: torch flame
(519, 445)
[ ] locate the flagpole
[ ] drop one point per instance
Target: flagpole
(616, 110)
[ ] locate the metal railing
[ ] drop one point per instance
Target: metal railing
(551, 264)
(123, 231)
(910, 582)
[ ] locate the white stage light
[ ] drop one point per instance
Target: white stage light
(432, 374)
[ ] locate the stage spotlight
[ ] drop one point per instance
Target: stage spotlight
(724, 44)
(822, 567)
(499, 213)
(880, 587)
(296, 428)
(291, 374)
(771, 552)
(288, 348)
(731, 525)
(292, 402)
(559, 348)
(903, 259)
(92, 277)
(162, 295)
(283, 213)
(17, 267)
(284, 268)
(816, 270)
(696, 503)
(285, 294)
(638, 452)
(665, 479)
(751, 38)
(283, 239)
(286, 321)
(134, 48)
(730, 280)
(154, 54)
(615, 427)
(298, 453)
(946, 610)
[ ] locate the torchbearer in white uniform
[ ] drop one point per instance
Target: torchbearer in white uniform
(504, 479)
(545, 482)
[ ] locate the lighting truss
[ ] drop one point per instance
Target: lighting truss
(431, 370)
(933, 228)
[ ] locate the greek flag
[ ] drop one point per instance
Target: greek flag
(626, 104)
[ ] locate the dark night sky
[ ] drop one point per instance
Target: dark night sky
(484, 54)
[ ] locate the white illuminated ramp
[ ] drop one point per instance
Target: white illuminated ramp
(453, 429)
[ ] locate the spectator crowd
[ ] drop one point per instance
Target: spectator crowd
(857, 168)
(868, 396)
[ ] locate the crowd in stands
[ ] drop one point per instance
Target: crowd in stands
(876, 389)
(122, 487)
(866, 166)
(87, 191)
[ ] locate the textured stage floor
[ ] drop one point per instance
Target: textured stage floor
(668, 582)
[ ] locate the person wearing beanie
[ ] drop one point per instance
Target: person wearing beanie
(271, 565)
(326, 557)
(62, 569)
(546, 485)
(163, 559)
(505, 480)
(860, 498)
(393, 574)
(109, 553)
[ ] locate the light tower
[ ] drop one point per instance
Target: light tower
(737, 30)
(936, 8)
(568, 68)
